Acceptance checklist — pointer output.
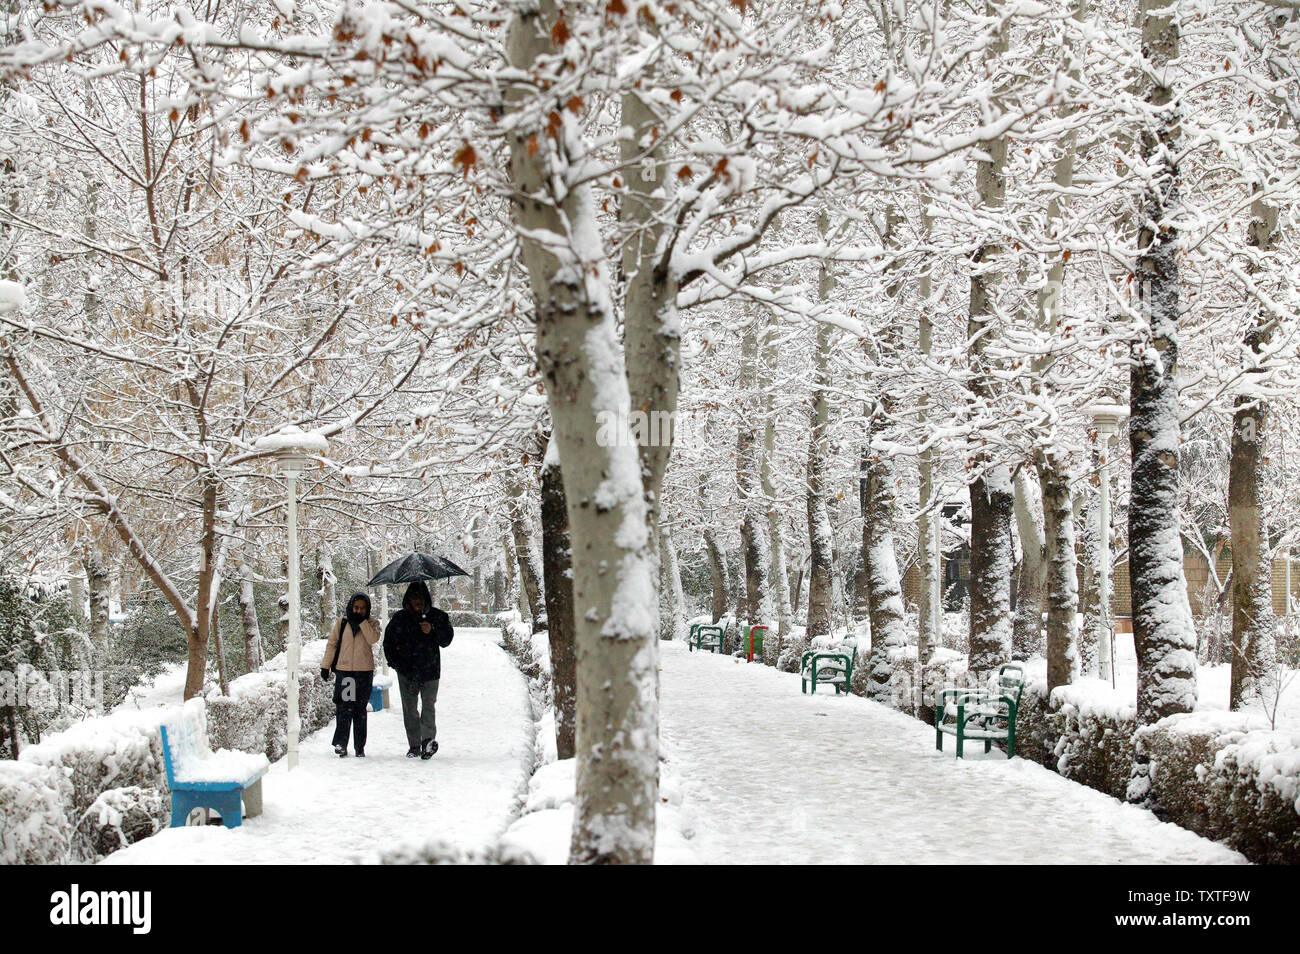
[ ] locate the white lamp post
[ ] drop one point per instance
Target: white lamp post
(291, 447)
(1107, 418)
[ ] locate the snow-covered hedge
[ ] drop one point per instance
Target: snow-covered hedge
(1223, 775)
(115, 751)
(101, 783)
(1227, 776)
(254, 717)
(123, 750)
(1085, 732)
(118, 818)
(34, 827)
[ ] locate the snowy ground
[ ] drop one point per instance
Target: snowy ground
(332, 810)
(772, 776)
(167, 688)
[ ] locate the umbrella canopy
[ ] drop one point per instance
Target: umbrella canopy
(417, 566)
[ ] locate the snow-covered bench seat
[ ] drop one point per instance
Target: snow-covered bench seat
(988, 715)
(202, 778)
(818, 667)
(705, 637)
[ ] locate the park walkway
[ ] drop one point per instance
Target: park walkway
(771, 776)
(331, 810)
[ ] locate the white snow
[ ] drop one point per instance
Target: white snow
(291, 437)
(12, 295)
(331, 810)
(782, 778)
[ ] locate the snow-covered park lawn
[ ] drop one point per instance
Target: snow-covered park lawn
(331, 810)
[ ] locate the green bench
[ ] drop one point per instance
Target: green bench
(987, 715)
(706, 637)
(821, 667)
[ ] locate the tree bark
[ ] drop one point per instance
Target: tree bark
(820, 543)
(326, 589)
(1163, 632)
(717, 574)
(1253, 651)
(675, 627)
(254, 655)
(97, 585)
(883, 583)
(992, 498)
(1031, 581)
(530, 575)
(613, 562)
(756, 559)
(1062, 576)
(557, 568)
(779, 577)
(930, 606)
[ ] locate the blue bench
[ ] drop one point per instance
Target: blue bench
(201, 778)
(379, 693)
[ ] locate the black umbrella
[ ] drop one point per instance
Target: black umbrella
(417, 566)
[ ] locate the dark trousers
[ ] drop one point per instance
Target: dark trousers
(419, 696)
(351, 703)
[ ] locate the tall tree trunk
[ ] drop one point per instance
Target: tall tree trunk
(1062, 577)
(1031, 581)
(884, 585)
(530, 575)
(820, 541)
(992, 497)
(779, 578)
(1253, 652)
(514, 585)
(613, 563)
(718, 576)
(326, 590)
(254, 654)
(209, 584)
(97, 585)
(930, 605)
(557, 569)
(1163, 632)
(1087, 517)
(672, 578)
(756, 559)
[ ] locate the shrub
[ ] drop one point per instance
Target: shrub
(34, 825)
(117, 818)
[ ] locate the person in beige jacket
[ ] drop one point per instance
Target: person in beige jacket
(348, 654)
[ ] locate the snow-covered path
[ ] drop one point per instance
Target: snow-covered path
(772, 776)
(332, 810)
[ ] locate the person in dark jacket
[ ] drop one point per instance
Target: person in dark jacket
(413, 644)
(349, 655)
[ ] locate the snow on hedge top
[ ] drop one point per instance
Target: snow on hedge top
(292, 437)
(112, 738)
(12, 295)
(1095, 698)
